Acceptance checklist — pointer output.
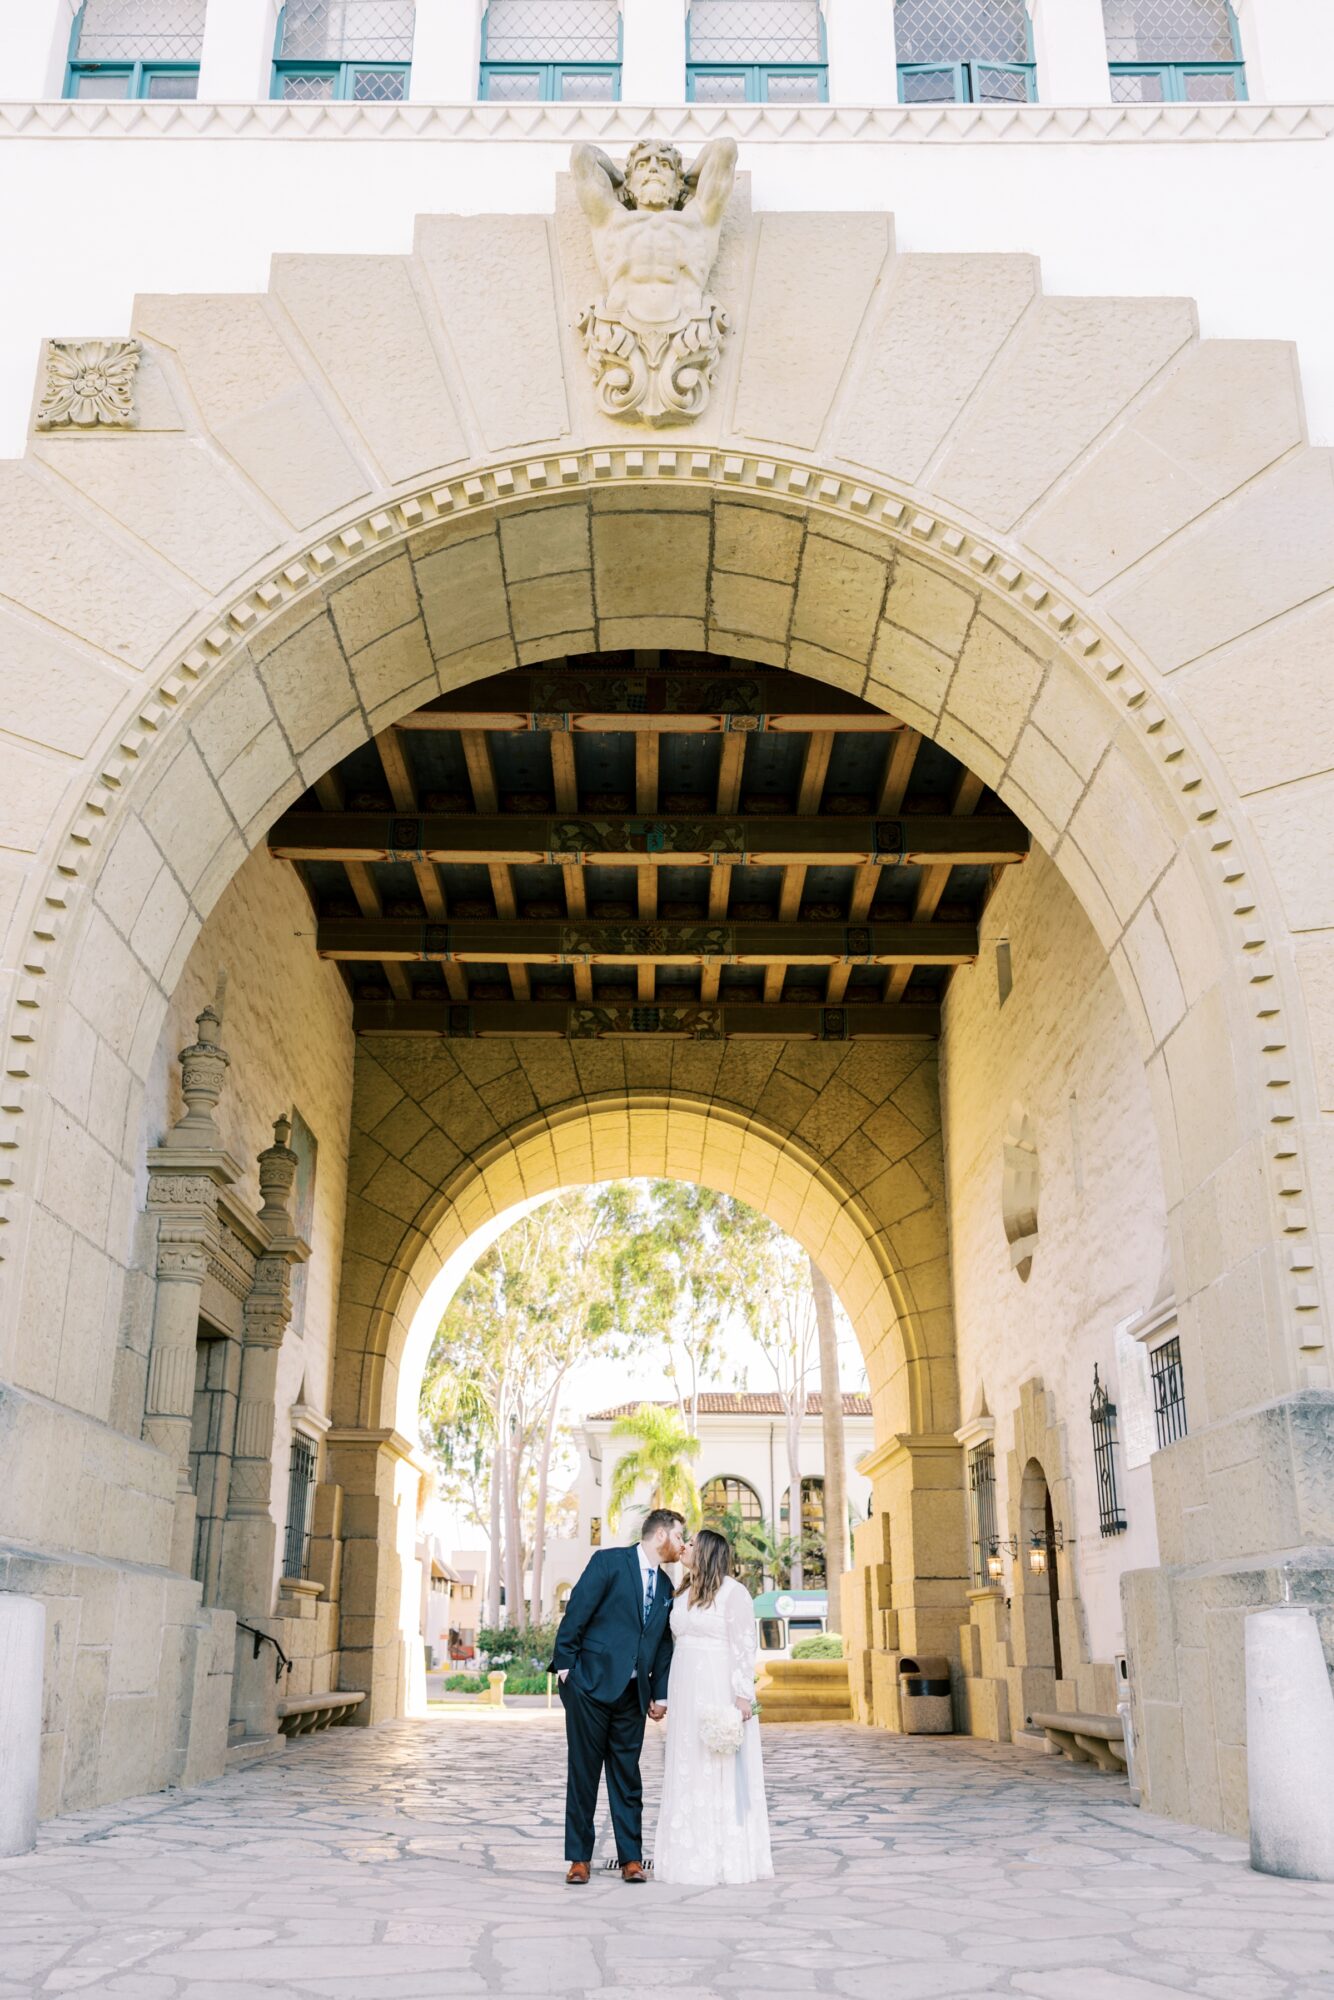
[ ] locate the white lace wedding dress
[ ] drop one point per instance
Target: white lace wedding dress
(713, 1825)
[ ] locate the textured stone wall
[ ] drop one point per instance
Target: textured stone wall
(1061, 1049)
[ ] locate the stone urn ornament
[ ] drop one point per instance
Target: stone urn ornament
(654, 338)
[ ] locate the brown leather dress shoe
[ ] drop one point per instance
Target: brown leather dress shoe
(633, 1871)
(577, 1874)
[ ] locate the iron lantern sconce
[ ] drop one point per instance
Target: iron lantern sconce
(1039, 1543)
(995, 1557)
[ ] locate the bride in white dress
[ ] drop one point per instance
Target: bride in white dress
(713, 1825)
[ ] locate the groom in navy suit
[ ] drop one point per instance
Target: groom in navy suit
(613, 1655)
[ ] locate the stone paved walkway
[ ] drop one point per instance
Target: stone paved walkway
(423, 1861)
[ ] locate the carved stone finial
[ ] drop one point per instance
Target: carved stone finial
(654, 338)
(204, 1065)
(89, 382)
(277, 1177)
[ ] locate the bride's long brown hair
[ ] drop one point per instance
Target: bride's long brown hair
(710, 1569)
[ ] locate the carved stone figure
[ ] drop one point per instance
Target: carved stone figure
(654, 337)
(88, 382)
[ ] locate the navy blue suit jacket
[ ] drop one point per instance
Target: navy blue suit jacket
(603, 1638)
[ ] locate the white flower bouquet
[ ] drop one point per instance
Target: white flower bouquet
(722, 1731)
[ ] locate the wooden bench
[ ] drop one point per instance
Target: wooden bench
(1086, 1739)
(301, 1714)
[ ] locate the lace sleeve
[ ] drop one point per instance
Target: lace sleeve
(739, 1613)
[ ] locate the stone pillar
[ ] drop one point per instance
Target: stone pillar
(185, 1174)
(248, 1572)
(1070, 50)
(446, 52)
(863, 66)
(236, 64)
(34, 50)
(1289, 1745)
(653, 52)
(22, 1655)
(1288, 46)
(917, 1481)
(378, 1472)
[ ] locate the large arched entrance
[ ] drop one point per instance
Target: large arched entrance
(866, 519)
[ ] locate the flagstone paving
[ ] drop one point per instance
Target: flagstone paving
(423, 1860)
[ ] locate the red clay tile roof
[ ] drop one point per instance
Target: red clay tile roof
(716, 1403)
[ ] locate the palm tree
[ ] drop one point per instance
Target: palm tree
(663, 1445)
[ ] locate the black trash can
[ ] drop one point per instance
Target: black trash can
(924, 1696)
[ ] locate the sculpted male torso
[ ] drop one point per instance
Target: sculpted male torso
(654, 337)
(655, 257)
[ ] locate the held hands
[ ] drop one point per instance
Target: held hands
(656, 1710)
(747, 1708)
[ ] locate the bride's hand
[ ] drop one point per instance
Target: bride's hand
(747, 1708)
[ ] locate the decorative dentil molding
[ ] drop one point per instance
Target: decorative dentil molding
(687, 124)
(89, 383)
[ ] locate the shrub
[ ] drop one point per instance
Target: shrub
(820, 1646)
(465, 1683)
(525, 1683)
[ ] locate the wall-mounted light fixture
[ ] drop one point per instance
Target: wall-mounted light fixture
(995, 1558)
(1039, 1543)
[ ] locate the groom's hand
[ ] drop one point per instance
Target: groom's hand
(656, 1710)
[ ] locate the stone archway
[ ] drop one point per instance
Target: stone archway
(287, 556)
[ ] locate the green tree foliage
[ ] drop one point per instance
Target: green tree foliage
(659, 1458)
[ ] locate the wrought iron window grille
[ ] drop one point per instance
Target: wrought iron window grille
(300, 1501)
(982, 1508)
(135, 48)
(964, 52)
(545, 51)
(755, 52)
(352, 50)
(1174, 52)
(1169, 1391)
(1102, 1415)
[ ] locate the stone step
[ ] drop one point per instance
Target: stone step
(252, 1750)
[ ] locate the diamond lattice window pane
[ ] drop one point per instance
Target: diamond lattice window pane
(953, 31)
(715, 89)
(1168, 31)
(754, 31)
(1210, 87)
(587, 88)
(173, 83)
(560, 31)
(141, 31)
(927, 86)
(308, 89)
(379, 86)
(1146, 88)
(1001, 86)
(792, 89)
(348, 31)
(515, 86)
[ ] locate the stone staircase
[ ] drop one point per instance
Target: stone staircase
(805, 1691)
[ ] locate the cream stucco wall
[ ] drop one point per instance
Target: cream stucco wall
(287, 1028)
(1061, 1048)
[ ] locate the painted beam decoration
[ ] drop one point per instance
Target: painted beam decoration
(483, 941)
(516, 839)
(683, 1021)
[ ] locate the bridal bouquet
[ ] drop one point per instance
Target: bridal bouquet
(722, 1731)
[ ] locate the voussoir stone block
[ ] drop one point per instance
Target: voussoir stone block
(462, 590)
(840, 592)
(1069, 371)
(643, 567)
(308, 682)
(757, 541)
(545, 541)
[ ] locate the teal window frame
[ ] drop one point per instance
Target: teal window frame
(757, 74)
(138, 75)
(550, 75)
(966, 75)
(344, 73)
(1174, 74)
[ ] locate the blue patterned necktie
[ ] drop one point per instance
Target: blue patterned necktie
(648, 1594)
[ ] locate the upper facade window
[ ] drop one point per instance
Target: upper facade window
(963, 51)
(567, 50)
(756, 52)
(1173, 52)
(359, 49)
(136, 48)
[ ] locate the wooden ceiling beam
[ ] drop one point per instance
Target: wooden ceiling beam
(547, 941)
(689, 704)
(731, 769)
(565, 791)
(619, 841)
(647, 768)
(893, 790)
(362, 883)
(934, 880)
(689, 1020)
(403, 792)
(486, 799)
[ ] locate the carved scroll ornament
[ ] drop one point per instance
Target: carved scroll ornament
(654, 338)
